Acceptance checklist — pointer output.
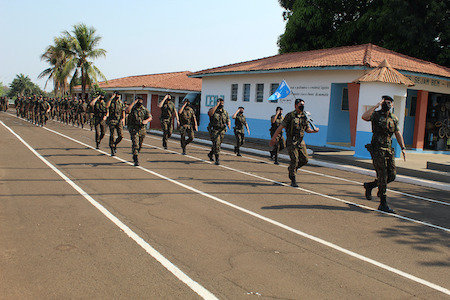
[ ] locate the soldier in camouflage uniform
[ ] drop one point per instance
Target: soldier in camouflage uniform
(115, 120)
(168, 112)
(384, 124)
(44, 109)
(275, 121)
(188, 123)
(138, 118)
(99, 107)
(218, 123)
(240, 124)
(296, 125)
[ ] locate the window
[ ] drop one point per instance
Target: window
(234, 92)
(246, 92)
(344, 103)
(259, 92)
(273, 88)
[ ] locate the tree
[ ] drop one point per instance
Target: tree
(83, 47)
(419, 28)
(23, 86)
(57, 56)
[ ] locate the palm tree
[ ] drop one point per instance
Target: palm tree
(83, 47)
(57, 56)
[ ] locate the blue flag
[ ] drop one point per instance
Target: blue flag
(282, 91)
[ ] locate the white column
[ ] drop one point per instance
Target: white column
(370, 94)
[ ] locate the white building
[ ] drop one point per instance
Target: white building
(328, 82)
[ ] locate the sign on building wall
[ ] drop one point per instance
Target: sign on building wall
(211, 100)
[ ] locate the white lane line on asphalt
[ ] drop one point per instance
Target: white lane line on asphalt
(278, 224)
(196, 287)
(324, 175)
(280, 183)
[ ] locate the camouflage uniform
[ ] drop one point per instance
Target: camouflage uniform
(380, 148)
(217, 128)
(137, 129)
(114, 121)
(186, 126)
(167, 113)
(296, 124)
(279, 145)
(239, 131)
(99, 123)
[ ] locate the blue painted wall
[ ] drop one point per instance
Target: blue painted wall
(338, 120)
(259, 128)
(408, 129)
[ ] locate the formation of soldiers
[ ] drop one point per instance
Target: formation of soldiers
(39, 109)
(99, 113)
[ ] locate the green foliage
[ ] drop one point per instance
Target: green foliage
(72, 54)
(23, 86)
(419, 28)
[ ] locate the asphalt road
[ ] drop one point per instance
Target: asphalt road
(76, 223)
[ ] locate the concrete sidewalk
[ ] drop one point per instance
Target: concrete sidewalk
(414, 170)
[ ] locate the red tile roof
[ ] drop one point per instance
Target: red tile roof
(367, 55)
(165, 81)
(385, 73)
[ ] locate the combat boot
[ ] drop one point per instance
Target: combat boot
(368, 186)
(210, 156)
(217, 160)
(293, 181)
(238, 152)
(276, 160)
(136, 161)
(383, 205)
(113, 152)
(165, 145)
(97, 145)
(184, 150)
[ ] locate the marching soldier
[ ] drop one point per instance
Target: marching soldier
(138, 118)
(168, 112)
(384, 124)
(116, 120)
(296, 124)
(188, 123)
(275, 121)
(239, 124)
(218, 123)
(99, 107)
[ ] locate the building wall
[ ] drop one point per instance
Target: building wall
(313, 86)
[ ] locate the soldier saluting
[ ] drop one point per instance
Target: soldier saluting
(218, 122)
(188, 123)
(384, 124)
(116, 120)
(138, 117)
(168, 111)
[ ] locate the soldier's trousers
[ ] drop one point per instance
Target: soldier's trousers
(167, 128)
(186, 131)
(240, 138)
(216, 136)
(137, 136)
(100, 128)
(118, 127)
(279, 145)
(384, 165)
(299, 157)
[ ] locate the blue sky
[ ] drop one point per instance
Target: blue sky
(141, 37)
